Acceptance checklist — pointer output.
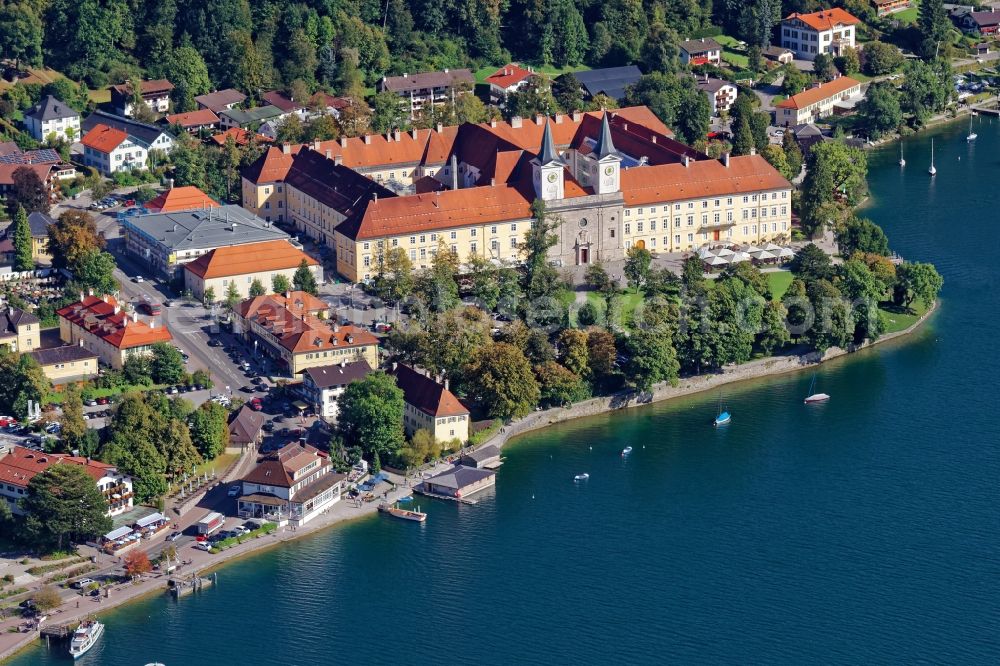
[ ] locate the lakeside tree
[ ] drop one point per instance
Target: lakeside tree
(651, 358)
(573, 352)
(773, 331)
(833, 325)
(879, 112)
(864, 290)
(370, 416)
(602, 355)
(859, 234)
(836, 174)
(63, 506)
(736, 310)
(23, 259)
(136, 563)
(501, 379)
(559, 385)
(917, 281)
(926, 89)
(48, 598)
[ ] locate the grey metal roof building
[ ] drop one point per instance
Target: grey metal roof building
(169, 240)
(611, 80)
(50, 108)
(241, 118)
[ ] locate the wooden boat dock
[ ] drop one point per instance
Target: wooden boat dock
(182, 587)
(422, 491)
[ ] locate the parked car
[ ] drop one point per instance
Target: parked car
(82, 583)
(202, 545)
(239, 530)
(91, 403)
(138, 279)
(234, 491)
(173, 536)
(215, 342)
(102, 401)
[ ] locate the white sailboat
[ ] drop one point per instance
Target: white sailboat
(932, 170)
(902, 162)
(972, 135)
(814, 398)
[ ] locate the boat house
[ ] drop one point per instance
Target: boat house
(460, 482)
(486, 457)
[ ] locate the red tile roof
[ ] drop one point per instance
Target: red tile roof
(246, 259)
(194, 118)
(279, 468)
(440, 210)
(103, 319)
(508, 75)
(7, 172)
(292, 323)
(819, 93)
(427, 395)
(18, 467)
(825, 19)
(186, 197)
(240, 136)
(709, 178)
(280, 100)
(104, 139)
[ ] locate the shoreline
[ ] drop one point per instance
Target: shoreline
(342, 511)
(764, 367)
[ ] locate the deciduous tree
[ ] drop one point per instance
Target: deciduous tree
(64, 507)
(370, 415)
(167, 364)
(23, 258)
(917, 281)
(28, 191)
(500, 378)
(304, 280)
(210, 429)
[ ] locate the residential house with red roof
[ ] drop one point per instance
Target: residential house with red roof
(156, 95)
(704, 51)
(294, 329)
(241, 265)
(21, 464)
(110, 150)
(510, 78)
(816, 102)
(195, 122)
(291, 486)
(827, 31)
(430, 405)
(104, 328)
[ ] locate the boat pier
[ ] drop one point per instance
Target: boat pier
(182, 587)
(427, 493)
(992, 110)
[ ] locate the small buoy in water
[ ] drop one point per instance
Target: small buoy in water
(532, 496)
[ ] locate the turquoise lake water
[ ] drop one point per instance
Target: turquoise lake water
(864, 530)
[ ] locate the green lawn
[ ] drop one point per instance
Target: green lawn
(732, 52)
(777, 99)
(549, 70)
(907, 16)
(779, 282)
(897, 320)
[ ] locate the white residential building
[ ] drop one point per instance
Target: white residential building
(51, 117)
(111, 150)
(827, 31)
(321, 386)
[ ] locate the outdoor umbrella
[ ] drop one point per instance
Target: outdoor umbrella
(762, 255)
(739, 257)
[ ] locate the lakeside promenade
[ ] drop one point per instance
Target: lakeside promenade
(201, 562)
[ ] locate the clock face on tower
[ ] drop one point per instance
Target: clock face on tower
(552, 177)
(608, 170)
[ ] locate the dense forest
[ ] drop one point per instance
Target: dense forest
(344, 44)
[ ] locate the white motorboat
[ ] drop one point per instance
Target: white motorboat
(902, 162)
(84, 638)
(627, 450)
(932, 170)
(972, 135)
(581, 477)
